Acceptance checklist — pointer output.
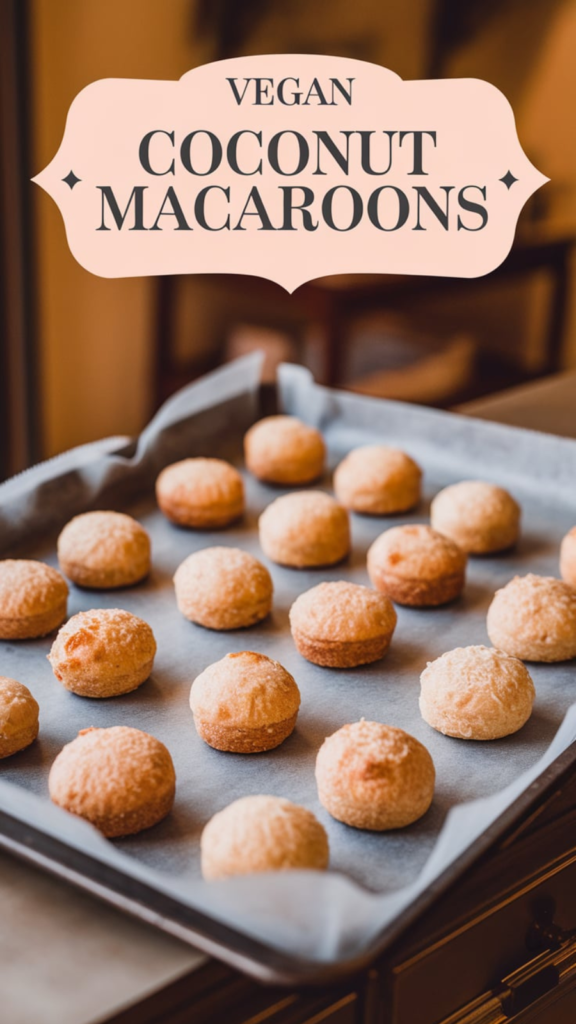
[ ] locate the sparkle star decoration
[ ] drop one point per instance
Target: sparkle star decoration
(508, 179)
(71, 179)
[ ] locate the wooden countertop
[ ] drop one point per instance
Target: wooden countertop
(548, 405)
(69, 959)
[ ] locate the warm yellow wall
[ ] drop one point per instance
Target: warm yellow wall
(528, 52)
(393, 34)
(96, 334)
(548, 123)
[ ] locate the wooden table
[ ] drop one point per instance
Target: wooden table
(68, 959)
(548, 405)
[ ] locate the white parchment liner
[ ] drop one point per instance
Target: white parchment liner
(373, 877)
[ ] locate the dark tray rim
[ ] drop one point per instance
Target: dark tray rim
(237, 949)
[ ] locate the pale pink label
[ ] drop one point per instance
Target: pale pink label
(290, 167)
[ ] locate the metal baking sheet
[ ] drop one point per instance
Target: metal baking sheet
(374, 877)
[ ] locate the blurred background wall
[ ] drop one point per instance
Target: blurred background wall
(100, 341)
(96, 335)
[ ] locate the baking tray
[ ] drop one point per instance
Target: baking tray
(297, 927)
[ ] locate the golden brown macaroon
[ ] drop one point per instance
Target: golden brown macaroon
(103, 653)
(342, 625)
(121, 780)
(244, 703)
(480, 517)
(415, 565)
(476, 693)
(262, 833)
(534, 618)
(33, 599)
(568, 558)
(18, 717)
(204, 494)
(304, 530)
(378, 480)
(374, 776)
(104, 550)
(223, 588)
(283, 450)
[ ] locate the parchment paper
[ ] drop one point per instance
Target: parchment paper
(373, 876)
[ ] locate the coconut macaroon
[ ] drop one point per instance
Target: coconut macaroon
(305, 530)
(223, 588)
(262, 833)
(416, 565)
(120, 779)
(378, 480)
(103, 653)
(534, 618)
(342, 625)
(480, 517)
(476, 693)
(202, 494)
(104, 550)
(568, 558)
(246, 703)
(33, 599)
(374, 776)
(283, 450)
(19, 713)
